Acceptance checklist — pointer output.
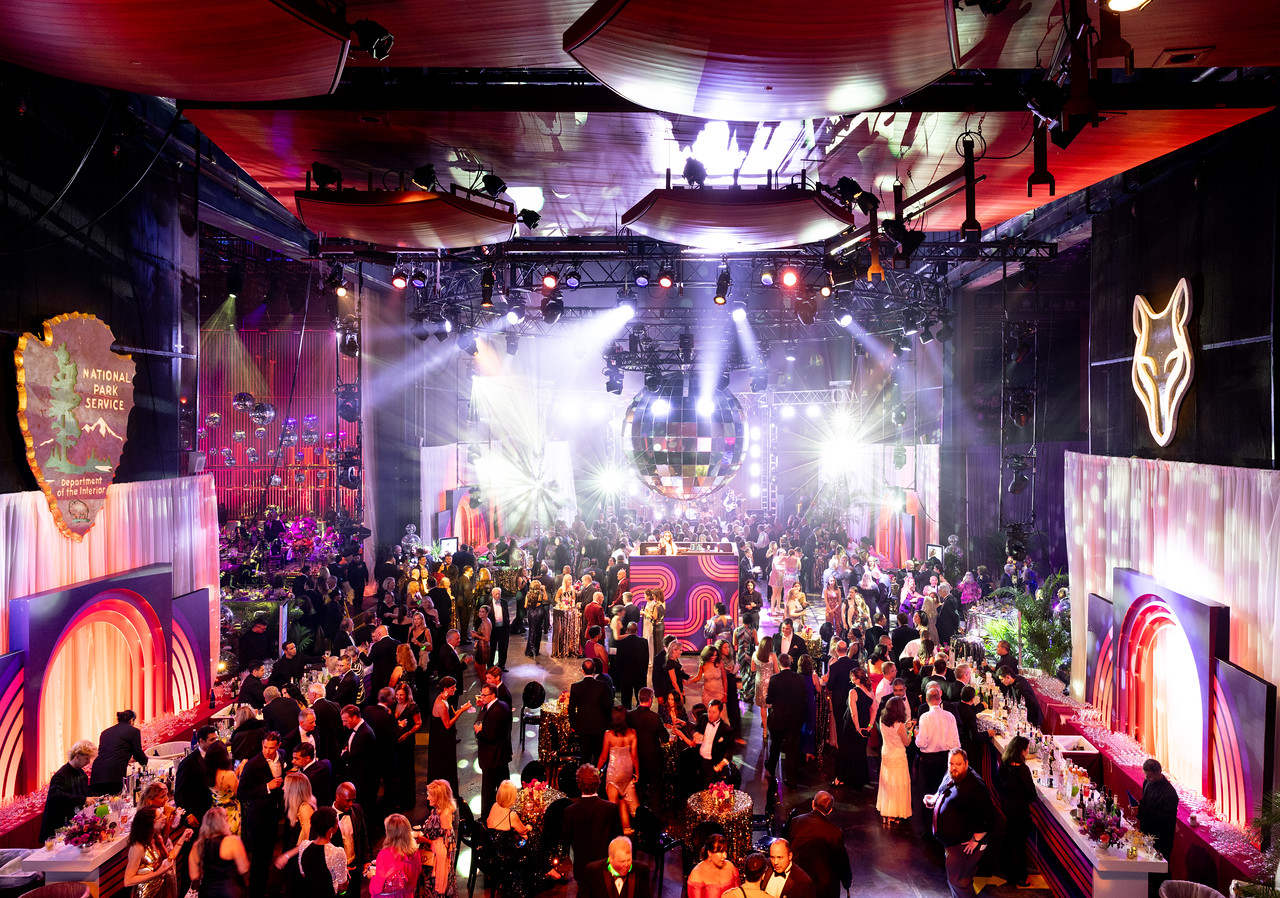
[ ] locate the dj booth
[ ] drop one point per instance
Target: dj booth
(692, 581)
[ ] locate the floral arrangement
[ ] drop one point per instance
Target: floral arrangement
(535, 786)
(534, 794)
(87, 828)
(1102, 827)
(721, 793)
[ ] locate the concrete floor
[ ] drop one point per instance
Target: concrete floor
(887, 863)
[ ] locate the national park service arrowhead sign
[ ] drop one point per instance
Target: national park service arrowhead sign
(74, 399)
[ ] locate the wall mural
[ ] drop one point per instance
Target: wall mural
(1163, 363)
(74, 400)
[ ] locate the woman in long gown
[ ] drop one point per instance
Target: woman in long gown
(812, 688)
(223, 783)
(218, 860)
(655, 612)
(408, 720)
(711, 676)
(442, 747)
(149, 867)
(440, 830)
(765, 665)
(510, 836)
(893, 800)
(619, 753)
(832, 605)
(857, 726)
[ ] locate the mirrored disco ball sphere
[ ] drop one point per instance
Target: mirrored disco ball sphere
(322, 476)
(310, 421)
(276, 480)
(263, 413)
(288, 437)
(299, 476)
(259, 433)
(238, 436)
(242, 402)
(291, 423)
(251, 456)
(310, 438)
(678, 450)
(213, 419)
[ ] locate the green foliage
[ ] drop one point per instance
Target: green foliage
(1046, 637)
(303, 637)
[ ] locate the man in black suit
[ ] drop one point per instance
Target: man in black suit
(288, 668)
(871, 638)
(972, 737)
(69, 789)
(650, 734)
(251, 690)
(381, 659)
(631, 663)
(261, 804)
(255, 644)
(328, 731)
(590, 711)
(352, 837)
(280, 713)
(381, 718)
(1015, 686)
(789, 643)
(500, 617)
(1158, 807)
(795, 882)
(818, 845)
(493, 676)
(786, 700)
(117, 746)
(344, 689)
(1005, 656)
(589, 823)
(190, 791)
(493, 745)
(962, 818)
(838, 677)
(360, 756)
(616, 876)
(451, 663)
(661, 681)
(902, 634)
(317, 771)
(715, 743)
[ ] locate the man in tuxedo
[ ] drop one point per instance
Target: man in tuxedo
(318, 772)
(630, 663)
(500, 617)
(589, 823)
(493, 676)
(962, 816)
(650, 734)
(1158, 807)
(785, 879)
(590, 711)
(1005, 656)
(328, 731)
(901, 635)
(819, 848)
(190, 791)
(280, 713)
(463, 588)
(117, 746)
(1015, 686)
(493, 745)
(256, 645)
(381, 659)
(261, 805)
(360, 756)
(251, 689)
(381, 719)
(871, 638)
(715, 743)
(288, 668)
(344, 689)
(616, 876)
(789, 644)
(352, 837)
(838, 677)
(786, 700)
(451, 663)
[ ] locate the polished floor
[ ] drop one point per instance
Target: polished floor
(887, 863)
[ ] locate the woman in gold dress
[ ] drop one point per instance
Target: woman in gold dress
(149, 868)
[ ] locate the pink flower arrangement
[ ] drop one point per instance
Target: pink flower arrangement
(87, 828)
(721, 792)
(535, 786)
(1102, 827)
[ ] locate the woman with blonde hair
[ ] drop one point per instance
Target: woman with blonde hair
(441, 833)
(299, 805)
(509, 833)
(765, 665)
(398, 864)
(405, 664)
(218, 861)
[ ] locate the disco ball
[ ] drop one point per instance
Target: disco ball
(276, 480)
(237, 436)
(201, 433)
(679, 450)
(291, 423)
(330, 438)
(213, 419)
(288, 437)
(322, 476)
(263, 413)
(310, 438)
(242, 402)
(273, 455)
(259, 433)
(251, 456)
(310, 421)
(299, 476)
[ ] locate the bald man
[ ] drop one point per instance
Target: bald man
(380, 655)
(617, 876)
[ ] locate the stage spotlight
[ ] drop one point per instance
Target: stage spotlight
(908, 241)
(349, 336)
(944, 332)
(399, 279)
(628, 302)
(704, 406)
(842, 309)
(348, 402)
(723, 283)
(910, 322)
(551, 280)
(899, 414)
(695, 172)
(1028, 276)
(1020, 412)
(340, 290)
(850, 191)
(1015, 545)
(686, 348)
(926, 335)
(723, 382)
(552, 308)
(493, 185)
(806, 310)
(790, 277)
(759, 380)
(235, 281)
(739, 312)
(424, 176)
(572, 279)
(828, 286)
(642, 275)
(486, 288)
(898, 347)
(349, 477)
(666, 279)
(1019, 483)
(373, 39)
(529, 219)
(768, 274)
(467, 343)
(1126, 5)
(421, 328)
(443, 333)
(515, 312)
(899, 457)
(326, 176)
(513, 344)
(652, 380)
(418, 278)
(787, 412)
(789, 352)
(613, 381)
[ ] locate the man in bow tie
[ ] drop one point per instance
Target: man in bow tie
(617, 876)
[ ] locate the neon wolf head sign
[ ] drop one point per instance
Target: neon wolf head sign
(1162, 361)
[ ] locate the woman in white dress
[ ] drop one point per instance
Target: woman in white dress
(893, 800)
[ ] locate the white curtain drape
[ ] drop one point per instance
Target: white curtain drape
(1214, 531)
(438, 472)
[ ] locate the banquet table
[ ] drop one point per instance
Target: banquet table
(566, 632)
(556, 739)
(734, 819)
